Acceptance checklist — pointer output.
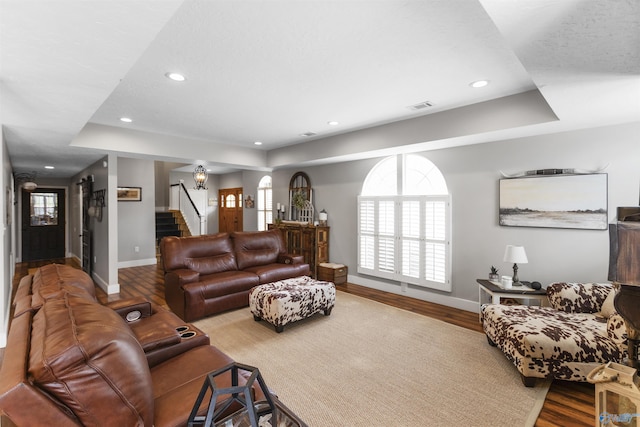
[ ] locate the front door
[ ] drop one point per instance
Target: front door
(43, 224)
(230, 218)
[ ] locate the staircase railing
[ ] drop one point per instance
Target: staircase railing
(179, 199)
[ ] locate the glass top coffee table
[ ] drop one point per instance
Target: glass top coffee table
(285, 417)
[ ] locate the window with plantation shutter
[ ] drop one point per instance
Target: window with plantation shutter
(264, 204)
(405, 237)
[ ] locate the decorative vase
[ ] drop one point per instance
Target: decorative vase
(494, 277)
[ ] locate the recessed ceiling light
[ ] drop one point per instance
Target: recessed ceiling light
(49, 167)
(307, 134)
(333, 123)
(479, 83)
(126, 119)
(177, 77)
(257, 143)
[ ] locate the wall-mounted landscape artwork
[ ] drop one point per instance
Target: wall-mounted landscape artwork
(555, 201)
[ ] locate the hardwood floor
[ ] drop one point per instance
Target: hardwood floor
(568, 404)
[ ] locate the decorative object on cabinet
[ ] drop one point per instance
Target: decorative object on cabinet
(312, 242)
(322, 217)
(299, 192)
(306, 213)
(555, 201)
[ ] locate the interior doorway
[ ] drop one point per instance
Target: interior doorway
(43, 224)
(230, 218)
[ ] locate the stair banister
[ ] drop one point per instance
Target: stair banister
(182, 201)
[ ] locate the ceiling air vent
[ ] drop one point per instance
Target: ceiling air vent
(421, 106)
(308, 134)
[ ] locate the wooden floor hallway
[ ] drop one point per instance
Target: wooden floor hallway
(568, 404)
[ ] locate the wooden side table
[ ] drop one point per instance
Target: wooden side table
(522, 292)
(331, 272)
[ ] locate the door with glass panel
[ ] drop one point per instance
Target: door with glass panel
(230, 217)
(43, 224)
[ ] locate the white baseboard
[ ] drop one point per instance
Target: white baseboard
(108, 288)
(137, 263)
(417, 293)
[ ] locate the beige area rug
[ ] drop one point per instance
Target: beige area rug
(369, 364)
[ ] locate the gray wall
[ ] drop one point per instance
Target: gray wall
(472, 174)
(250, 181)
(7, 246)
(136, 225)
(162, 182)
(103, 233)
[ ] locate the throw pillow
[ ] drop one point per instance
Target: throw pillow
(608, 308)
(617, 330)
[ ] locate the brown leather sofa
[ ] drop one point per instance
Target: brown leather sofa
(213, 273)
(70, 361)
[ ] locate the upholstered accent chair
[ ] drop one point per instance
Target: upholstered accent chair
(578, 332)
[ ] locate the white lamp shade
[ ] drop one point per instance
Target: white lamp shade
(515, 254)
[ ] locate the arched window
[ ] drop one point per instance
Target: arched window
(404, 223)
(265, 214)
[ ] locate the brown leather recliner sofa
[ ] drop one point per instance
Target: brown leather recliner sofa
(71, 361)
(209, 274)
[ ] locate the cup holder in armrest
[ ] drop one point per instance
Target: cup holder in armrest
(181, 329)
(188, 334)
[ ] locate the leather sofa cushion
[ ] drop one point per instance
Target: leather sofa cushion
(274, 272)
(51, 280)
(86, 357)
(211, 253)
(212, 264)
(257, 247)
(221, 284)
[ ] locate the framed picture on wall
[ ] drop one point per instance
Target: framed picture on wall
(555, 201)
(129, 194)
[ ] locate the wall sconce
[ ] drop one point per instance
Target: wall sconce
(200, 176)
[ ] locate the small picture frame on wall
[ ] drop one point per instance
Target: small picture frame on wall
(129, 194)
(249, 201)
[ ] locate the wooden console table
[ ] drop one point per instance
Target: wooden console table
(310, 241)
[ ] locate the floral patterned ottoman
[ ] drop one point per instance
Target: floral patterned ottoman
(290, 300)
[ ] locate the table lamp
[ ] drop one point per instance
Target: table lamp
(516, 255)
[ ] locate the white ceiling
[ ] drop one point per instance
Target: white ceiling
(271, 70)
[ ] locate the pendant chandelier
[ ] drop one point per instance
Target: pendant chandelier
(200, 176)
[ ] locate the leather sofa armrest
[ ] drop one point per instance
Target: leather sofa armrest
(290, 259)
(155, 333)
(182, 276)
(131, 309)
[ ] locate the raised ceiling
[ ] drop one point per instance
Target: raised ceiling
(270, 71)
